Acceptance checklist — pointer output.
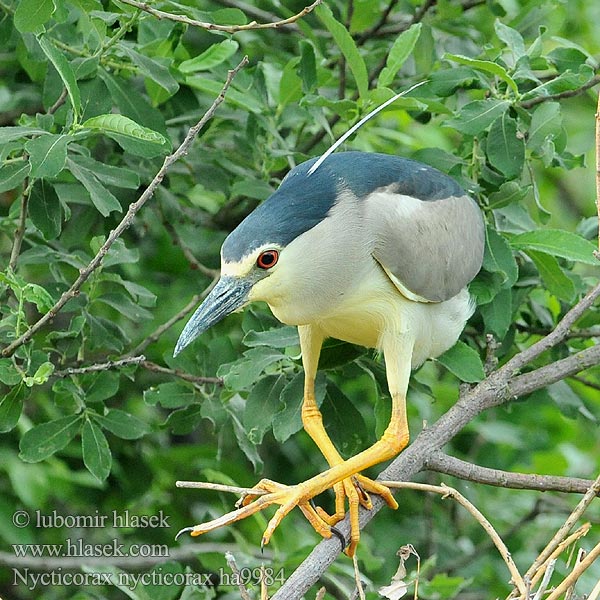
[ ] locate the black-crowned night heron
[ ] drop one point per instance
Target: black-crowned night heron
(371, 249)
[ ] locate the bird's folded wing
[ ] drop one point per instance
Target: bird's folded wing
(430, 249)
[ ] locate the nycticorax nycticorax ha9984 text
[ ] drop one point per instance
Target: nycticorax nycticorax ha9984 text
(372, 249)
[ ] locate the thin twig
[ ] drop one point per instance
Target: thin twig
(106, 366)
(589, 332)
(553, 338)
(448, 465)
(20, 231)
(219, 487)
(160, 14)
(158, 332)
(240, 580)
(566, 94)
(359, 592)
(59, 102)
(255, 12)
(189, 255)
(549, 570)
(84, 273)
(587, 382)
(447, 491)
(200, 380)
(576, 573)
(595, 593)
(382, 21)
(582, 505)
(577, 534)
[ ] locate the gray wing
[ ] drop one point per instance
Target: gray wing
(431, 249)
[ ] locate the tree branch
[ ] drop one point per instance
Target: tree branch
(446, 491)
(160, 14)
(181, 374)
(84, 273)
(111, 364)
(566, 94)
(20, 231)
(448, 465)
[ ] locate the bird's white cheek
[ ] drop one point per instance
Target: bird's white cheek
(266, 290)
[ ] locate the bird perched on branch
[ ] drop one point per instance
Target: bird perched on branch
(368, 248)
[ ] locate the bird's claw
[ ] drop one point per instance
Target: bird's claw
(356, 489)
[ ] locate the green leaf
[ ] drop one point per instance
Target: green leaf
(290, 84)
(185, 420)
(11, 407)
(152, 68)
(12, 175)
(512, 39)
(446, 81)
(210, 58)
(36, 294)
(565, 82)
(546, 124)
(557, 242)
(498, 257)
(345, 424)
(126, 306)
(45, 209)
(32, 15)
(234, 97)
(348, 47)
(509, 192)
(307, 67)
(120, 177)
(568, 402)
(464, 362)
(131, 103)
(46, 439)
(486, 66)
(9, 134)
(505, 150)
(278, 337)
(553, 277)
(9, 374)
(47, 154)
(96, 452)
(289, 420)
(262, 405)
(124, 126)
(565, 59)
(477, 116)
(41, 376)
(497, 314)
(170, 395)
(61, 64)
(102, 199)
(244, 373)
(400, 51)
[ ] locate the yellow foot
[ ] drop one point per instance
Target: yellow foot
(355, 488)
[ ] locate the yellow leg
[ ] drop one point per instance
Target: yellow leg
(357, 488)
(397, 351)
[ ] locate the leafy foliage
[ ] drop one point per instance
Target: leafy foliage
(94, 94)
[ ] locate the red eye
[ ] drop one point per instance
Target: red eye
(267, 259)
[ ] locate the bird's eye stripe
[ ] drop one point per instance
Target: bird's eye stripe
(267, 259)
